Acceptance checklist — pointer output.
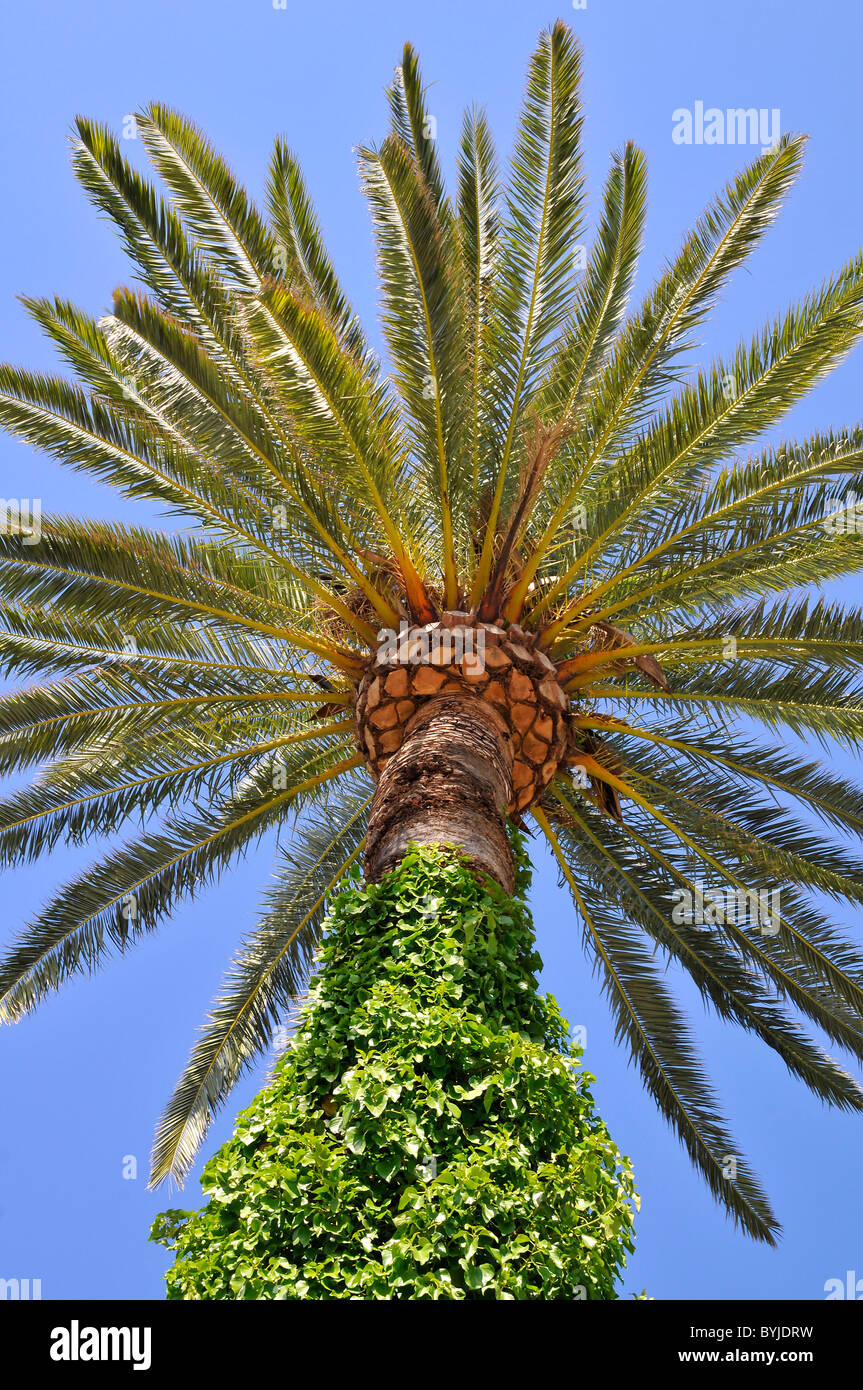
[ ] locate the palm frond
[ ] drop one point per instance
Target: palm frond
(535, 282)
(265, 978)
(424, 326)
(660, 1044)
(604, 293)
(130, 891)
(210, 201)
(480, 236)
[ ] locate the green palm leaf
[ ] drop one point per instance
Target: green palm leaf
(660, 1044)
(535, 284)
(265, 978)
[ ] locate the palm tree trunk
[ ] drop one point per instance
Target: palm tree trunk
(450, 783)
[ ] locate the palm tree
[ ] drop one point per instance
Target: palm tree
(524, 580)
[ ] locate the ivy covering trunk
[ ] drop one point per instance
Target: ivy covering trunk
(429, 1133)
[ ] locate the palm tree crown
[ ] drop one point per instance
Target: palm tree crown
(535, 465)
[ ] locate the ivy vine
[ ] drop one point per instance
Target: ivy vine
(429, 1133)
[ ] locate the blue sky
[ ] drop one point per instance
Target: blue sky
(82, 1082)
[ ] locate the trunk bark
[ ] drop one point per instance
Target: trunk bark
(449, 783)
